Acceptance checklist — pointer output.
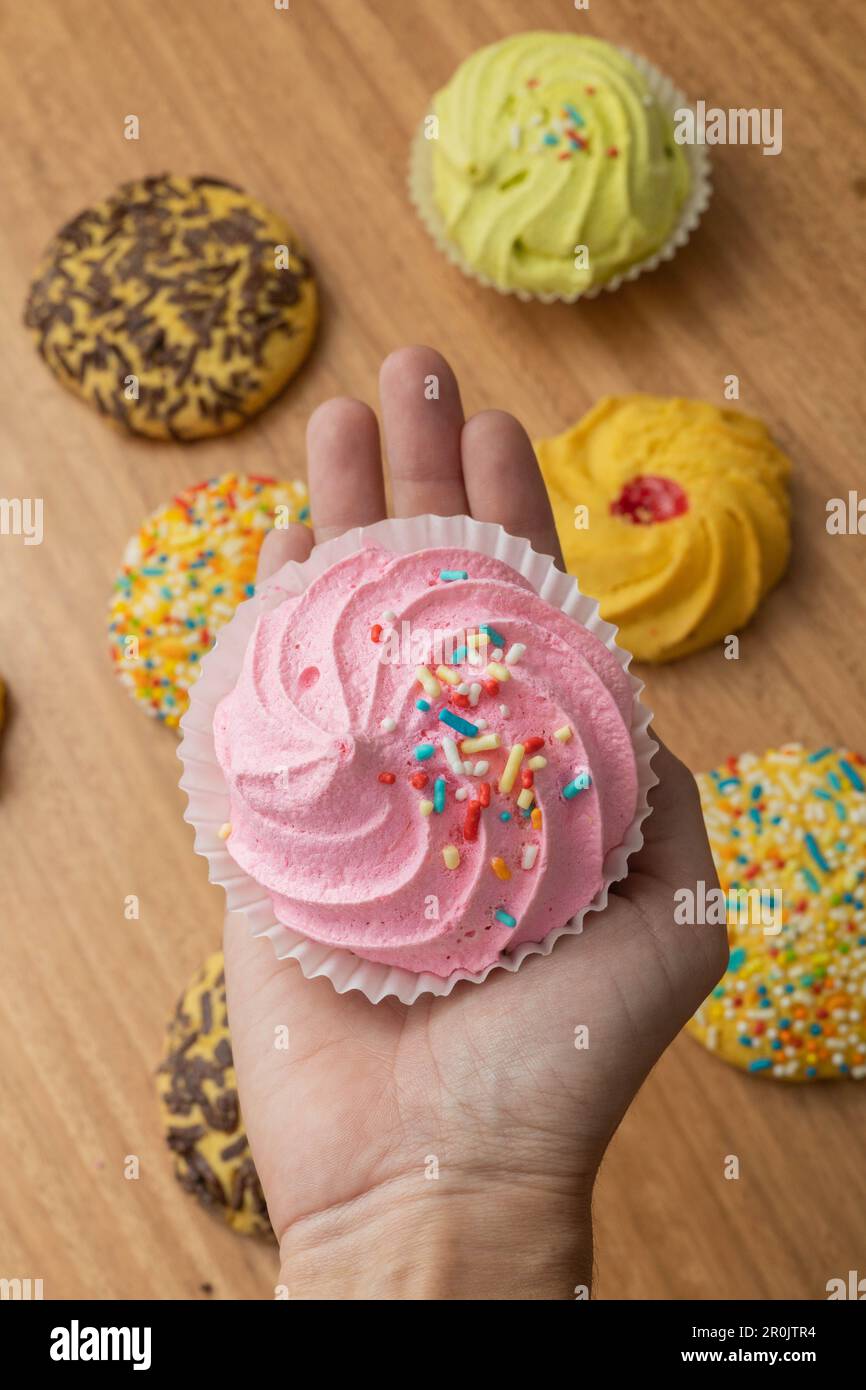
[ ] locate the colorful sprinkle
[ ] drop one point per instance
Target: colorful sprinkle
(563, 735)
(449, 576)
(439, 795)
(470, 823)
(454, 721)
(451, 855)
(505, 917)
(425, 807)
(428, 682)
(388, 725)
(484, 743)
(500, 868)
(511, 769)
(579, 784)
(423, 705)
(423, 751)
(449, 677)
(529, 856)
(225, 830)
(388, 778)
(497, 671)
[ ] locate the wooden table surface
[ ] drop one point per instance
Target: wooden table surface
(312, 110)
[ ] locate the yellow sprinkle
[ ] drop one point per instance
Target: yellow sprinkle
(497, 671)
(429, 682)
(500, 868)
(425, 807)
(563, 734)
(450, 677)
(451, 855)
(526, 798)
(535, 818)
(537, 763)
(225, 830)
(477, 639)
(512, 766)
(481, 744)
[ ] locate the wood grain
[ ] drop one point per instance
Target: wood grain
(312, 111)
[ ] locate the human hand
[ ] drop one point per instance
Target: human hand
(488, 1080)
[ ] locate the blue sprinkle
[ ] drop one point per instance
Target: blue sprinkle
(835, 781)
(304, 514)
(423, 751)
(579, 784)
(505, 815)
(811, 1071)
(550, 138)
(728, 782)
(757, 791)
(423, 705)
(760, 1064)
(811, 880)
(816, 757)
(815, 1029)
(776, 1044)
(459, 655)
(744, 1042)
(455, 722)
(738, 956)
(505, 917)
(496, 638)
(249, 590)
(574, 114)
(448, 576)
(825, 796)
(853, 775)
(439, 795)
(755, 815)
(839, 808)
(812, 847)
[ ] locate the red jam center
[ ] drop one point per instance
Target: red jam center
(648, 499)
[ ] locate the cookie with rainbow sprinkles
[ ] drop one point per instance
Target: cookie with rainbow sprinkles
(184, 572)
(788, 835)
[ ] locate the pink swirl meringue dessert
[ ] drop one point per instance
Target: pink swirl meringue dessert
(427, 763)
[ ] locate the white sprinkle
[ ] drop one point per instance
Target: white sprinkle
(388, 725)
(475, 656)
(515, 137)
(482, 767)
(496, 654)
(389, 617)
(515, 652)
(225, 830)
(480, 724)
(530, 854)
(537, 763)
(461, 794)
(504, 711)
(462, 688)
(452, 757)
(474, 693)
(536, 119)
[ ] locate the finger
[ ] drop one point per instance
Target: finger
(675, 848)
(423, 417)
(503, 480)
(344, 467)
(279, 546)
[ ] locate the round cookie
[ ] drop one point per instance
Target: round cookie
(788, 835)
(190, 564)
(178, 306)
(200, 1110)
(674, 514)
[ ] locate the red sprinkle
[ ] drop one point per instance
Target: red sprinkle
(566, 154)
(470, 824)
(461, 701)
(376, 632)
(532, 745)
(613, 151)
(387, 777)
(419, 780)
(490, 685)
(484, 793)
(527, 777)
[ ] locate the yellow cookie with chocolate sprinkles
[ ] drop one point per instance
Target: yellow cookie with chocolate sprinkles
(178, 306)
(788, 834)
(200, 1110)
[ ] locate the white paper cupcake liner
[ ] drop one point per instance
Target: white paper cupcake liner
(700, 190)
(207, 792)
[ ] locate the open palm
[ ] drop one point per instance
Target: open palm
(513, 1087)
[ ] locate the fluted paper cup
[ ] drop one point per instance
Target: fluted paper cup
(671, 99)
(208, 795)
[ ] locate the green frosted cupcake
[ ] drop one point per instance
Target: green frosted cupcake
(551, 168)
